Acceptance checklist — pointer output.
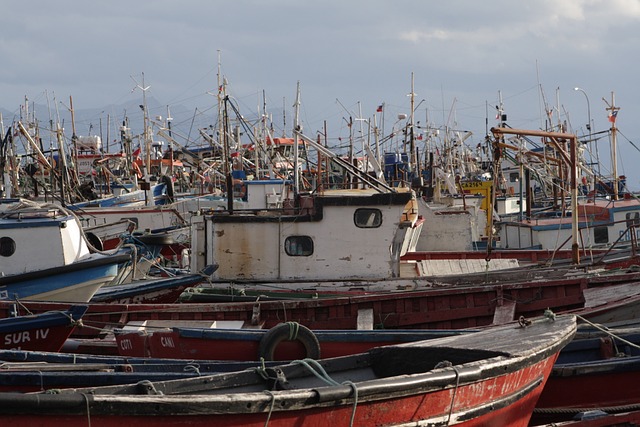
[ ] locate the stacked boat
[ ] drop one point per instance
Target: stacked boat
(474, 348)
(44, 255)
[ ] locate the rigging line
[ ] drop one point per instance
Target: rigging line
(629, 141)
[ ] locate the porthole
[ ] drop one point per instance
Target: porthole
(7, 246)
(367, 218)
(298, 245)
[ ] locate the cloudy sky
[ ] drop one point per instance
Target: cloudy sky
(348, 56)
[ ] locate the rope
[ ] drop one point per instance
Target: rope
(192, 368)
(455, 391)
(320, 373)
(355, 401)
(608, 332)
(86, 399)
(294, 328)
(273, 404)
(316, 370)
(261, 370)
(573, 411)
(72, 321)
(548, 315)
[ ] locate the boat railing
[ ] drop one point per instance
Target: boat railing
(630, 231)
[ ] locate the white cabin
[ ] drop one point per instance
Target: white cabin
(338, 235)
(35, 239)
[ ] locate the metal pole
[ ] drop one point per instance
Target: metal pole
(590, 129)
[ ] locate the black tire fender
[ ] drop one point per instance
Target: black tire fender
(289, 331)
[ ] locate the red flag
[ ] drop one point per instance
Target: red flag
(379, 110)
(613, 115)
(136, 153)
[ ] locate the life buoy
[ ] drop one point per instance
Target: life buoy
(136, 170)
(289, 331)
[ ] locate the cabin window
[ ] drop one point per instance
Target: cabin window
(367, 218)
(298, 246)
(633, 218)
(7, 246)
(601, 235)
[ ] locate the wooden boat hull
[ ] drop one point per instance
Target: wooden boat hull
(592, 373)
(32, 371)
(42, 332)
(76, 282)
(152, 291)
(283, 342)
(494, 378)
(446, 307)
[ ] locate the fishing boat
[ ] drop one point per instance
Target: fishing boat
(601, 223)
(151, 290)
(238, 294)
(63, 269)
(492, 376)
(285, 341)
(43, 332)
(32, 371)
(290, 340)
(598, 371)
(335, 237)
(440, 307)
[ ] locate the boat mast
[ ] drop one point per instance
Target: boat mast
(146, 134)
(613, 114)
(5, 190)
(297, 128)
(74, 135)
(220, 97)
(412, 143)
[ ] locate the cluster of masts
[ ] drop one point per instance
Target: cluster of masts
(416, 156)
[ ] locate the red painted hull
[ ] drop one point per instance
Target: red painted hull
(513, 399)
(438, 308)
(39, 339)
(595, 391)
(45, 332)
(491, 377)
(224, 345)
(595, 371)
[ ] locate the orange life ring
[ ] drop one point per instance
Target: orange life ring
(137, 171)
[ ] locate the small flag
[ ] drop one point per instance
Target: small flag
(379, 109)
(613, 115)
(136, 153)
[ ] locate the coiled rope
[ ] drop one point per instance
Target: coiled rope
(319, 372)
